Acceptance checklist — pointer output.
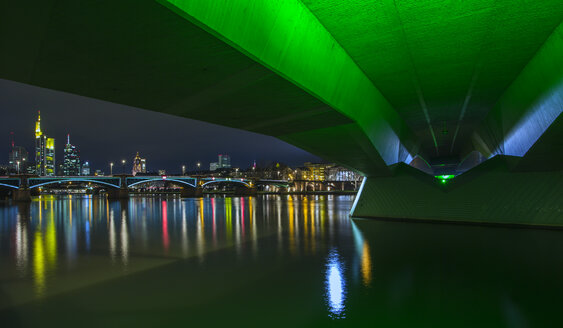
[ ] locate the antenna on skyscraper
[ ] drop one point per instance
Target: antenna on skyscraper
(68, 139)
(12, 139)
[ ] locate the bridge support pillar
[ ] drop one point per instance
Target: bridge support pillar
(21, 195)
(244, 191)
(491, 193)
(120, 193)
(188, 192)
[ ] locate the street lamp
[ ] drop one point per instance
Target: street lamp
(111, 168)
(183, 170)
(18, 166)
(198, 165)
(123, 166)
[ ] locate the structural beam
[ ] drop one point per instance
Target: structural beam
(532, 103)
(287, 38)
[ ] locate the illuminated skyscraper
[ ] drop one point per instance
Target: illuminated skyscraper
(139, 165)
(44, 151)
(85, 169)
(224, 161)
(17, 158)
(71, 164)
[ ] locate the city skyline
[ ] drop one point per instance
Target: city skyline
(106, 132)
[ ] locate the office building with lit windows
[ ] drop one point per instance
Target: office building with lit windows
(85, 169)
(139, 165)
(224, 161)
(17, 159)
(71, 163)
(44, 151)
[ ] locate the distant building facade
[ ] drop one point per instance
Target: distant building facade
(85, 169)
(139, 165)
(314, 171)
(224, 162)
(71, 162)
(44, 151)
(339, 173)
(18, 159)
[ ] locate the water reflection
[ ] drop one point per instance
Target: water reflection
(21, 245)
(165, 240)
(112, 242)
(335, 286)
(75, 228)
(363, 252)
(366, 265)
(124, 239)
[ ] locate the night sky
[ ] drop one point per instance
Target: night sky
(106, 132)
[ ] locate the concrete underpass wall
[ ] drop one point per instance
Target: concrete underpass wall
(490, 193)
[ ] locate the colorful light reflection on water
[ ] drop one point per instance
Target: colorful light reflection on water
(283, 261)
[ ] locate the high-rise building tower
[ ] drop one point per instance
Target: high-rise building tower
(17, 157)
(224, 161)
(71, 163)
(85, 169)
(44, 151)
(139, 165)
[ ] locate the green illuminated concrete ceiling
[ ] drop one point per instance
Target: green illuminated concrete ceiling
(442, 64)
(363, 83)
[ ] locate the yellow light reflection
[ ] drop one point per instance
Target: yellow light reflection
(306, 224)
(290, 207)
(201, 212)
(40, 212)
(200, 241)
(366, 265)
(51, 240)
(250, 216)
(39, 264)
(314, 219)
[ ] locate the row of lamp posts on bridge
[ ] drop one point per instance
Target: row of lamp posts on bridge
(123, 167)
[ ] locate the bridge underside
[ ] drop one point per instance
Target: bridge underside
(441, 85)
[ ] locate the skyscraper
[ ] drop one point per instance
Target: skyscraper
(139, 165)
(17, 158)
(44, 151)
(85, 168)
(224, 161)
(71, 163)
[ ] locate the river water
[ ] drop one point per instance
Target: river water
(282, 261)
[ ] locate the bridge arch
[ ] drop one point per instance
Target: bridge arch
(9, 186)
(226, 181)
(182, 182)
(58, 181)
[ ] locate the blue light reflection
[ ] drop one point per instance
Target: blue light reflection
(335, 286)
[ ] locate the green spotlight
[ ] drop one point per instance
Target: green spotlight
(444, 178)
